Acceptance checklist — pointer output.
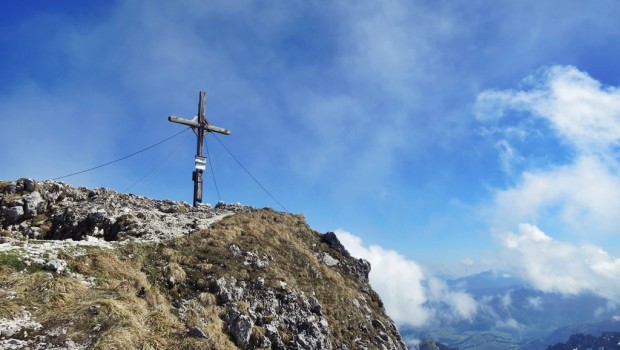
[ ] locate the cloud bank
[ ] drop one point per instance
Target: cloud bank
(555, 266)
(574, 190)
(411, 296)
(566, 105)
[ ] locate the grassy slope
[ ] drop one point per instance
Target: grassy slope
(131, 303)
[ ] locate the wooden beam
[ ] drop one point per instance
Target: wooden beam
(209, 128)
(183, 121)
(217, 129)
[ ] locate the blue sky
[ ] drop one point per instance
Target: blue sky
(454, 136)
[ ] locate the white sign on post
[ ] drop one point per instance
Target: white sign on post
(201, 163)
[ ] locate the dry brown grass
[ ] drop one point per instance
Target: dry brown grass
(132, 301)
(207, 299)
(9, 307)
(175, 273)
(125, 320)
(292, 245)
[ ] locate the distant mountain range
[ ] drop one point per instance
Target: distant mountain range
(562, 334)
(512, 315)
(487, 280)
(606, 341)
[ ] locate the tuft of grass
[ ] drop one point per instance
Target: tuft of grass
(175, 273)
(11, 260)
(11, 197)
(207, 299)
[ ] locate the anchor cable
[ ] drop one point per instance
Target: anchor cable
(158, 164)
(250, 174)
(123, 158)
(211, 168)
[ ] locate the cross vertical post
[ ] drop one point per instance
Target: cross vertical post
(197, 174)
(200, 125)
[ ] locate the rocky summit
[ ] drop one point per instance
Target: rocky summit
(96, 269)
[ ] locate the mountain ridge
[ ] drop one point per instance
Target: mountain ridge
(84, 268)
(580, 341)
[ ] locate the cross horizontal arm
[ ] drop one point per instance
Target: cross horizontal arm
(217, 129)
(183, 121)
(193, 124)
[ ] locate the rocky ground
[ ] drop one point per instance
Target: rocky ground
(82, 268)
(56, 211)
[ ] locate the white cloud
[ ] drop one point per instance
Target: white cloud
(409, 294)
(462, 306)
(582, 110)
(509, 323)
(579, 108)
(555, 266)
(397, 280)
(581, 194)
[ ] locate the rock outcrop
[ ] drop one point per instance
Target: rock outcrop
(86, 268)
(57, 211)
(429, 344)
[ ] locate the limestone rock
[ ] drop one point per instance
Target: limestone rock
(332, 240)
(235, 250)
(223, 293)
(259, 283)
(29, 184)
(55, 265)
(13, 214)
(239, 326)
(34, 203)
(196, 332)
(328, 260)
(65, 212)
(378, 324)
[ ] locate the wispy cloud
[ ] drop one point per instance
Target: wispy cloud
(411, 296)
(535, 302)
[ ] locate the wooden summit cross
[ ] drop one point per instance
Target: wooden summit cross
(201, 127)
